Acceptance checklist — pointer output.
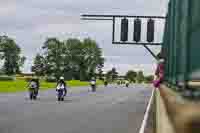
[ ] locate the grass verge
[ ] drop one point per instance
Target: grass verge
(20, 85)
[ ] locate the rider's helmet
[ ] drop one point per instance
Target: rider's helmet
(61, 78)
(160, 61)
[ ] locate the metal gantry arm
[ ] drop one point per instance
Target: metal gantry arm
(151, 52)
(113, 19)
(119, 16)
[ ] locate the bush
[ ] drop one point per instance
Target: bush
(51, 79)
(7, 78)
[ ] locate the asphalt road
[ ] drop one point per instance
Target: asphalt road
(114, 109)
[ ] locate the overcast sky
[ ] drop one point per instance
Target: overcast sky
(30, 22)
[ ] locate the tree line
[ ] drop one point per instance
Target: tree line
(139, 77)
(71, 58)
(10, 56)
(130, 75)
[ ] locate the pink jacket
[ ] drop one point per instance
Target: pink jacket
(160, 74)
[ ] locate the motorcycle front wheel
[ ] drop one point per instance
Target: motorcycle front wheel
(59, 99)
(62, 99)
(31, 96)
(93, 88)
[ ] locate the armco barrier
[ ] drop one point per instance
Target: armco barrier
(175, 114)
(163, 123)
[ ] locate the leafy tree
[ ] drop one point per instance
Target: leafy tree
(86, 57)
(92, 57)
(140, 76)
(149, 79)
(131, 75)
(54, 57)
(11, 54)
(109, 76)
(100, 73)
(72, 58)
(112, 75)
(76, 52)
(39, 66)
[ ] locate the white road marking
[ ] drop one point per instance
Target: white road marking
(144, 122)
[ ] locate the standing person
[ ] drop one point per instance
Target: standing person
(159, 74)
(61, 89)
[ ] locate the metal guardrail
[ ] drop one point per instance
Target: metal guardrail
(175, 114)
(162, 121)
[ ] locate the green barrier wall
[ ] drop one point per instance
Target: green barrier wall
(181, 42)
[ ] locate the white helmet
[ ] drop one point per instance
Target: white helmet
(161, 60)
(61, 78)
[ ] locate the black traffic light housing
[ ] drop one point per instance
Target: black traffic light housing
(150, 30)
(124, 30)
(137, 30)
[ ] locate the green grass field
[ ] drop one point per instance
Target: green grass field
(20, 85)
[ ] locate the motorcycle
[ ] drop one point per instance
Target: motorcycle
(105, 83)
(33, 93)
(127, 84)
(60, 93)
(118, 82)
(33, 89)
(93, 86)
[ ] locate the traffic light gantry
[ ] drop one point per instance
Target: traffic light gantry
(137, 25)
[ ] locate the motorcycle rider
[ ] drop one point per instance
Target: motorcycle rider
(61, 89)
(38, 85)
(159, 74)
(33, 88)
(118, 82)
(93, 84)
(105, 82)
(127, 83)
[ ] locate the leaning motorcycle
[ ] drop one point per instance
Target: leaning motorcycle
(60, 94)
(33, 93)
(127, 84)
(93, 86)
(105, 83)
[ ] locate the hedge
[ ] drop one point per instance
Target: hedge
(51, 79)
(7, 78)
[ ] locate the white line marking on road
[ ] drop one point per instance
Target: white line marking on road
(146, 115)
